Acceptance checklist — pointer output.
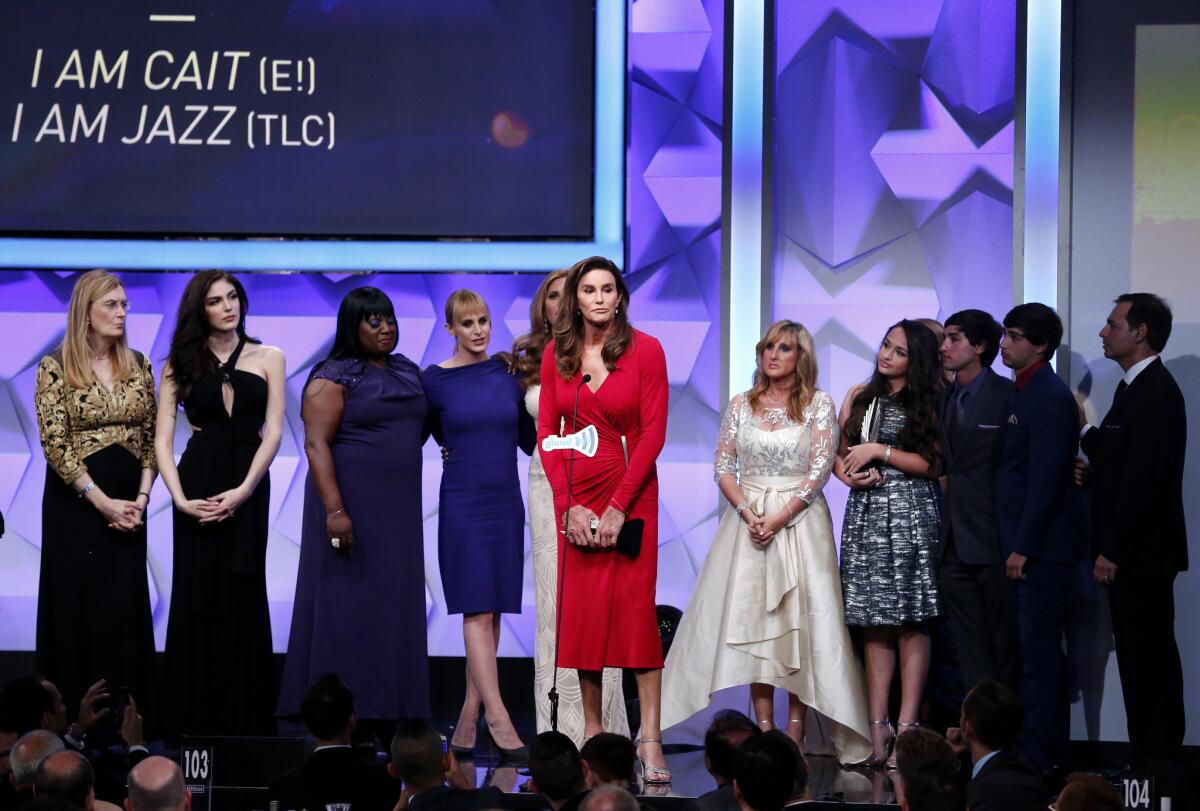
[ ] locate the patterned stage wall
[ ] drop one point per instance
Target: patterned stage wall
(893, 171)
(674, 177)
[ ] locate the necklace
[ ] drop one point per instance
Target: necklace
(102, 357)
(771, 401)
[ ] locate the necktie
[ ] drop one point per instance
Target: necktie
(956, 415)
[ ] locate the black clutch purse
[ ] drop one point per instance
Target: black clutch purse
(629, 539)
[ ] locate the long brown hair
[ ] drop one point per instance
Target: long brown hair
(918, 398)
(89, 288)
(190, 357)
(528, 348)
(568, 329)
(804, 385)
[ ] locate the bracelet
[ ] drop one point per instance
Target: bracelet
(87, 488)
(887, 455)
(738, 509)
(788, 505)
(336, 512)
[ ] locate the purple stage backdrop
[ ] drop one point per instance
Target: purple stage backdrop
(892, 196)
(893, 171)
(674, 193)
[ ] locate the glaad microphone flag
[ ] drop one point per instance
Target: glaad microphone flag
(585, 441)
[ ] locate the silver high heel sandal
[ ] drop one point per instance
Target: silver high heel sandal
(652, 775)
(875, 761)
(891, 761)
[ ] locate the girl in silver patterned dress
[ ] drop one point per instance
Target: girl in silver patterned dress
(890, 460)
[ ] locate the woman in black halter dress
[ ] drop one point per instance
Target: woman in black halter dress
(218, 669)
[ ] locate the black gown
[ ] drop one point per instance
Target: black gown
(219, 677)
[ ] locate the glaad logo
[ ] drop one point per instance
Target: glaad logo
(585, 441)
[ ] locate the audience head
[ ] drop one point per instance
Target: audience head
(328, 709)
(766, 773)
(555, 770)
(1032, 333)
(65, 774)
(800, 786)
(726, 733)
(930, 772)
(1088, 792)
(608, 760)
(609, 798)
(970, 334)
(156, 784)
(8, 737)
(32, 702)
(28, 753)
(992, 716)
(419, 754)
(1138, 327)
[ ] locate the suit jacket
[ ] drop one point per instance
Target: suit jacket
(335, 775)
(972, 462)
(719, 799)
(444, 798)
(1008, 782)
(1137, 457)
(1038, 506)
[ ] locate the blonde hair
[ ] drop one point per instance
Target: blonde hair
(460, 300)
(804, 386)
(76, 362)
(529, 347)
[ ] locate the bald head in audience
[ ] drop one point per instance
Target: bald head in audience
(608, 797)
(156, 784)
(28, 753)
(68, 775)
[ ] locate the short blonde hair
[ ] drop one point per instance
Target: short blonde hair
(463, 300)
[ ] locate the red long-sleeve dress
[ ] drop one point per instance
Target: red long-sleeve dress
(608, 616)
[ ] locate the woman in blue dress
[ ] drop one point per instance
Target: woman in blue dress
(360, 592)
(477, 414)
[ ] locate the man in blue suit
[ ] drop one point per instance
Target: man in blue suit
(1041, 527)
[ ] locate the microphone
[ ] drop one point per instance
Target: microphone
(562, 562)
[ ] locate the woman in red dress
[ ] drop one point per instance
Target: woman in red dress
(608, 615)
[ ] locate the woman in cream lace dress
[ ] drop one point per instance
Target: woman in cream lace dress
(543, 311)
(767, 607)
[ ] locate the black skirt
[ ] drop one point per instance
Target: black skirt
(93, 618)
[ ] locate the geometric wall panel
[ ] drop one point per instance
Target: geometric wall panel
(893, 171)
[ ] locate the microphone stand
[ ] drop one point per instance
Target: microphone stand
(562, 561)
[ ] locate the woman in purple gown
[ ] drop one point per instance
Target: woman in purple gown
(360, 593)
(477, 413)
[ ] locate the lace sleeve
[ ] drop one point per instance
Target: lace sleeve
(726, 460)
(823, 444)
(54, 421)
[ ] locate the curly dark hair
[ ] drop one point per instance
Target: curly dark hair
(918, 398)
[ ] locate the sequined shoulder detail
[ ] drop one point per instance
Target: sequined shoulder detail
(347, 372)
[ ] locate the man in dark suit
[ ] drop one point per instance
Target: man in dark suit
(1041, 527)
(1139, 540)
(726, 733)
(333, 773)
(432, 779)
(975, 591)
(1000, 779)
